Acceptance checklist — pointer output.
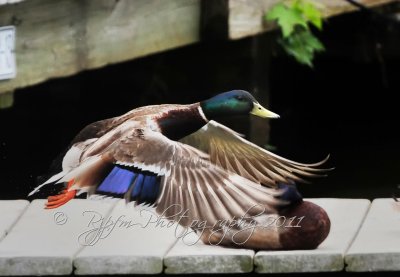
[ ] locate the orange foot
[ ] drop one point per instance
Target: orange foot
(62, 198)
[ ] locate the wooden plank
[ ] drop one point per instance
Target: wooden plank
(60, 38)
(377, 246)
(191, 255)
(44, 242)
(4, 2)
(346, 217)
(12, 210)
(246, 16)
(6, 100)
(137, 244)
(214, 20)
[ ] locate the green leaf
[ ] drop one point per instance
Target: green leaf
(286, 18)
(312, 42)
(294, 20)
(310, 12)
(302, 46)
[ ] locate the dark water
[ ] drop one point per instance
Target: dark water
(345, 106)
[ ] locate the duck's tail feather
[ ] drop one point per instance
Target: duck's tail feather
(97, 176)
(74, 181)
(52, 179)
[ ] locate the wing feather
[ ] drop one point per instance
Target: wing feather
(230, 151)
(205, 190)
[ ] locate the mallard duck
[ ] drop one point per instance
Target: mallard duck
(193, 169)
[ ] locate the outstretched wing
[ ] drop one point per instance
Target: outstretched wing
(228, 150)
(192, 189)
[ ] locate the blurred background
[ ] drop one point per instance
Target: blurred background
(82, 61)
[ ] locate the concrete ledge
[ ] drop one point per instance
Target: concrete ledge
(37, 265)
(377, 246)
(12, 210)
(118, 264)
(40, 243)
(44, 242)
(346, 218)
(190, 255)
(135, 243)
(298, 261)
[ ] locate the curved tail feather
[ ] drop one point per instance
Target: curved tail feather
(130, 183)
(52, 179)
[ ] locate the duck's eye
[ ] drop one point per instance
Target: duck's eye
(240, 98)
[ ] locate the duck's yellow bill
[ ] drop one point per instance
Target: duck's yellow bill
(260, 111)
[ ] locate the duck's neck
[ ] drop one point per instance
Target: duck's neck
(182, 121)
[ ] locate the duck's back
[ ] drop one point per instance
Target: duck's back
(101, 127)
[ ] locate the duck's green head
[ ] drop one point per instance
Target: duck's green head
(235, 102)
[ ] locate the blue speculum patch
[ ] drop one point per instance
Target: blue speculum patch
(142, 185)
